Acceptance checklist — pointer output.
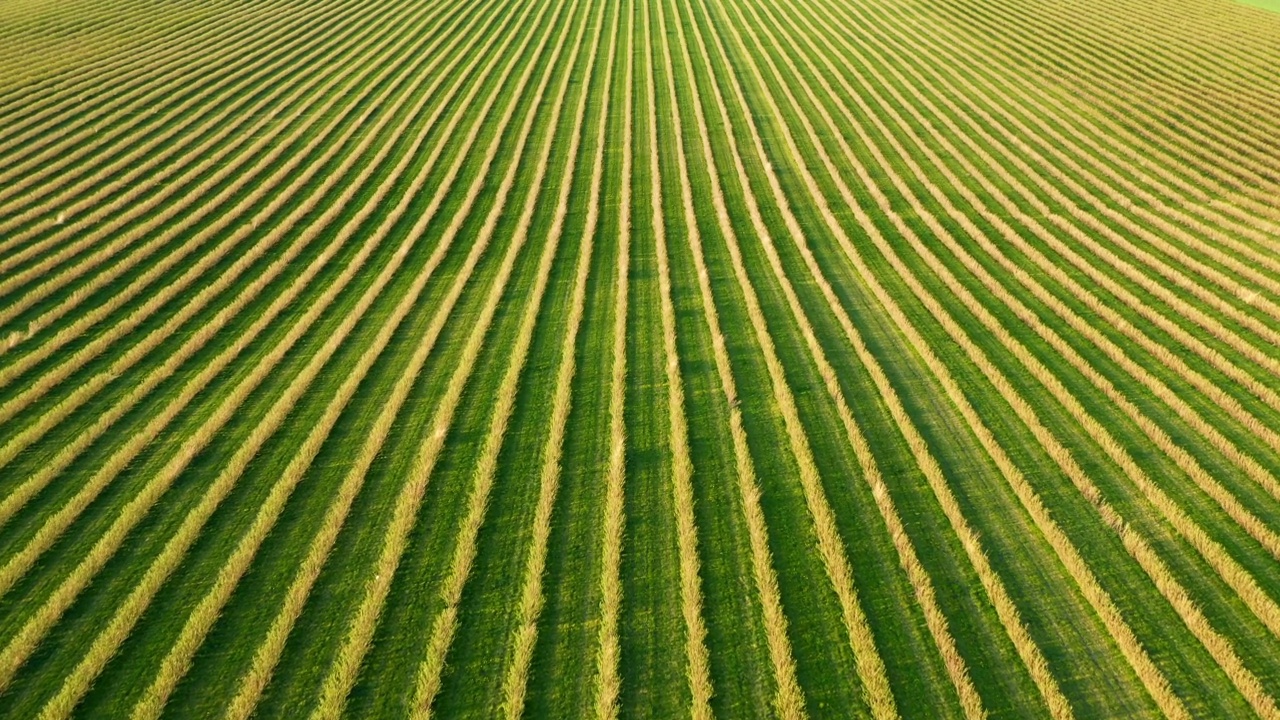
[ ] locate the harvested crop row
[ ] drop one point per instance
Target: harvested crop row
(1231, 406)
(1158, 435)
(174, 551)
(609, 683)
(202, 618)
(788, 699)
(45, 158)
(432, 666)
(20, 647)
(1217, 645)
(246, 203)
(524, 638)
(1251, 466)
(1067, 551)
(1170, 134)
(60, 98)
(47, 189)
(126, 193)
(67, 405)
(253, 682)
(699, 672)
(1185, 338)
(342, 674)
(331, 379)
(32, 485)
(85, 252)
(870, 666)
(1008, 612)
(949, 46)
(919, 578)
(1226, 114)
(1050, 169)
(1224, 565)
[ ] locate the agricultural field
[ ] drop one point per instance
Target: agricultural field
(639, 358)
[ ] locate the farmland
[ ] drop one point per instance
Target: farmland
(639, 358)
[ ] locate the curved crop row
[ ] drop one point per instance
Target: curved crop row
(129, 612)
(788, 699)
(49, 471)
(1215, 643)
(432, 666)
(254, 681)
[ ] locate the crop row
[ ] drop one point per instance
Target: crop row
(330, 368)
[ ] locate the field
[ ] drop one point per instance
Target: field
(639, 358)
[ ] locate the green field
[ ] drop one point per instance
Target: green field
(639, 358)
(1265, 4)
